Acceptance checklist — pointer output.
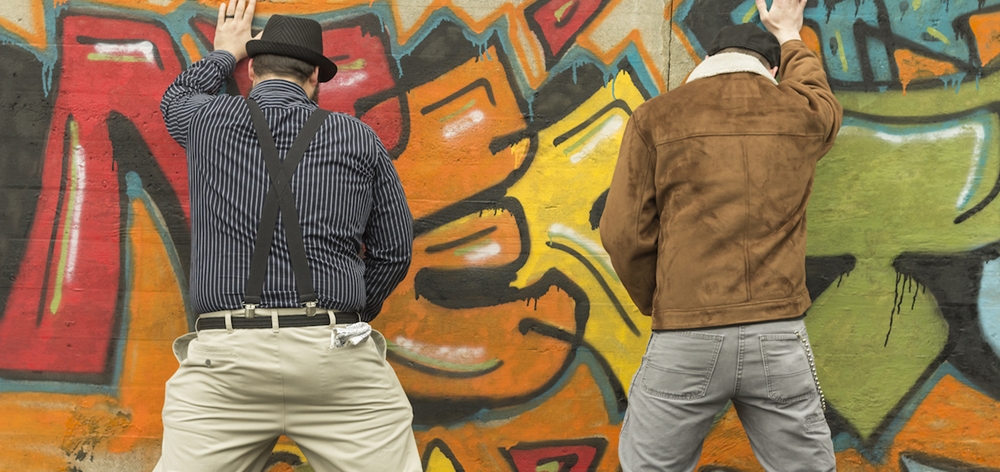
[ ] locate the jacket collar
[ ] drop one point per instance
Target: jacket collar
(729, 63)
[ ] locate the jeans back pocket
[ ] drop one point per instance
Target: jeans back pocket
(679, 365)
(786, 368)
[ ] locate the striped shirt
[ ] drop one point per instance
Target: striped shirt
(347, 193)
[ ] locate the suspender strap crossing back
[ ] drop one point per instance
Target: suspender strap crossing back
(280, 196)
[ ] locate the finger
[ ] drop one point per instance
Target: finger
(231, 9)
(761, 9)
(241, 6)
(251, 7)
(222, 14)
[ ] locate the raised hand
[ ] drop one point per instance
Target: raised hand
(233, 29)
(784, 19)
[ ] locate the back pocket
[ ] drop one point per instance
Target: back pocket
(679, 365)
(786, 368)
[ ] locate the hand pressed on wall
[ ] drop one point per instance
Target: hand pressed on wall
(233, 29)
(783, 19)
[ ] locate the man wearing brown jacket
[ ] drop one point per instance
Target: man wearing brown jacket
(705, 225)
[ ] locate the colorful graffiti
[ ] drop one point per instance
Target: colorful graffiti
(511, 333)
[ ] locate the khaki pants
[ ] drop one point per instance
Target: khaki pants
(236, 392)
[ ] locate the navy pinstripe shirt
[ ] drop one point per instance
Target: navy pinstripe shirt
(346, 191)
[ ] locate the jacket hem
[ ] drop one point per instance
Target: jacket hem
(725, 315)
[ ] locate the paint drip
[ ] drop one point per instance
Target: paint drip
(841, 278)
(904, 285)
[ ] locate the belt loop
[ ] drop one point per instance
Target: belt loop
(274, 320)
(250, 309)
(229, 321)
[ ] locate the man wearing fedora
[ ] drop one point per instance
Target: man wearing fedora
(300, 230)
(705, 225)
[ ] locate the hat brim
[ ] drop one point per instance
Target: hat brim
(327, 69)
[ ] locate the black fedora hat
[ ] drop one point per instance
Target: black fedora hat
(748, 36)
(300, 38)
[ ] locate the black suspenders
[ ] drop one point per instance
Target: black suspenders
(280, 195)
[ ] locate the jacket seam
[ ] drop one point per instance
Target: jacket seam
(736, 133)
(645, 174)
(746, 220)
(773, 301)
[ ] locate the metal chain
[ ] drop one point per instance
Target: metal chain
(812, 366)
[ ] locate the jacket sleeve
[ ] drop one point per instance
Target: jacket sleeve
(192, 89)
(630, 224)
(803, 72)
(388, 238)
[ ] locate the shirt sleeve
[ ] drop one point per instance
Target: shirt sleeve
(388, 237)
(192, 89)
(630, 224)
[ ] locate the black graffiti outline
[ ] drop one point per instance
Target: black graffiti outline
(480, 82)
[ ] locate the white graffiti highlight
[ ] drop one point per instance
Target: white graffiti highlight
(348, 79)
(450, 354)
(593, 248)
(80, 165)
(978, 157)
(484, 252)
(606, 130)
(463, 124)
(144, 50)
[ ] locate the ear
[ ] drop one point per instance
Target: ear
(314, 78)
(250, 73)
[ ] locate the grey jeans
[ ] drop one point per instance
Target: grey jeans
(687, 377)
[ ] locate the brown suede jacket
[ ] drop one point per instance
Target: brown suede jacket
(705, 221)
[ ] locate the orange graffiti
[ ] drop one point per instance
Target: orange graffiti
(914, 66)
(945, 421)
(479, 352)
(35, 33)
(454, 120)
(811, 39)
(950, 414)
(156, 316)
(160, 7)
(986, 28)
(191, 46)
(576, 413)
(118, 423)
(632, 39)
(298, 7)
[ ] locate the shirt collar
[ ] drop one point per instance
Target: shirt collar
(279, 93)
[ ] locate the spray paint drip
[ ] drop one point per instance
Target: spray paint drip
(904, 285)
(841, 278)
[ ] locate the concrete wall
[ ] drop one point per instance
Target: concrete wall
(511, 333)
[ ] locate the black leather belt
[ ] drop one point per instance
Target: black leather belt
(285, 321)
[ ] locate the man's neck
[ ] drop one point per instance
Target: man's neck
(262, 78)
(312, 94)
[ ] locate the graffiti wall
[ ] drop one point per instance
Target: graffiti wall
(511, 334)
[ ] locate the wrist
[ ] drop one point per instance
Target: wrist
(227, 51)
(783, 40)
(784, 37)
(238, 55)
(223, 60)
